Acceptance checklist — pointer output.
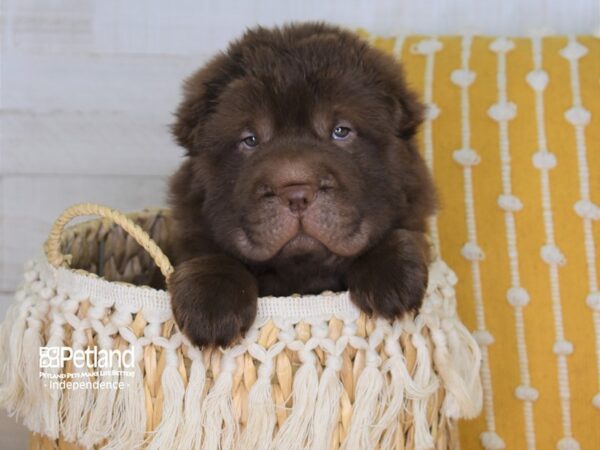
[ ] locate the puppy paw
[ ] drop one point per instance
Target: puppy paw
(390, 280)
(214, 300)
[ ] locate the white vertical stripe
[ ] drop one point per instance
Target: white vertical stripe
(398, 46)
(467, 157)
(429, 47)
(516, 295)
(579, 117)
(550, 253)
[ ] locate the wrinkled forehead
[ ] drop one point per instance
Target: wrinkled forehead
(294, 99)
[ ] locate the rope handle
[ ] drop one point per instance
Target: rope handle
(56, 257)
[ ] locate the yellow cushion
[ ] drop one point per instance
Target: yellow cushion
(536, 282)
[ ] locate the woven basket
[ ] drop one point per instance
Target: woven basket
(312, 373)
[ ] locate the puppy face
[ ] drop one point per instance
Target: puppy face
(299, 145)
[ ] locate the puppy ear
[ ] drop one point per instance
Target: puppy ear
(411, 114)
(408, 111)
(200, 92)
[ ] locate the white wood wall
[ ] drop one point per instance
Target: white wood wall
(88, 87)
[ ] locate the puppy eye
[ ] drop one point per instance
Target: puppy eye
(250, 141)
(340, 132)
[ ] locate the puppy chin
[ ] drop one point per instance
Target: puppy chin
(254, 251)
(302, 244)
(259, 244)
(308, 240)
(346, 242)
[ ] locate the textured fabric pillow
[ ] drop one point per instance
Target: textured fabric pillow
(513, 138)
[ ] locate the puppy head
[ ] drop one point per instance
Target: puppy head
(299, 141)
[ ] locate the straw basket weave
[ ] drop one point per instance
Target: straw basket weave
(312, 373)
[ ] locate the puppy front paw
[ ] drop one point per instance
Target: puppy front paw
(214, 300)
(390, 280)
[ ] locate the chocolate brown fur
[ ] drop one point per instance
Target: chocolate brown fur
(305, 210)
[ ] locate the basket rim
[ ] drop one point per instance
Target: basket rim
(80, 283)
(129, 296)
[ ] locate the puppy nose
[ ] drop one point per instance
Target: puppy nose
(297, 196)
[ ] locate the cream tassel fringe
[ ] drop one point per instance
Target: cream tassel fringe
(394, 395)
(328, 404)
(129, 411)
(37, 399)
(295, 434)
(33, 415)
(101, 420)
(12, 318)
(13, 331)
(368, 393)
(173, 393)
(425, 379)
(219, 424)
(419, 389)
(57, 338)
(258, 433)
(77, 404)
(218, 419)
(365, 409)
(460, 370)
(396, 373)
(190, 436)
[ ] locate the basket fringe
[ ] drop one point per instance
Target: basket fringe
(295, 434)
(190, 436)
(258, 433)
(129, 415)
(386, 427)
(56, 340)
(37, 399)
(365, 409)
(426, 380)
(462, 377)
(368, 393)
(32, 340)
(101, 418)
(77, 404)
(75, 407)
(173, 392)
(195, 417)
(12, 364)
(327, 407)
(11, 320)
(219, 424)
(394, 374)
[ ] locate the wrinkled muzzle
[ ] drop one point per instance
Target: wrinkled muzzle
(300, 199)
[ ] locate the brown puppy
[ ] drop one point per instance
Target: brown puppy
(302, 175)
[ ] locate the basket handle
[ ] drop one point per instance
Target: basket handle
(56, 257)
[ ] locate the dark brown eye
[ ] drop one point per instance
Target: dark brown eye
(340, 132)
(250, 141)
